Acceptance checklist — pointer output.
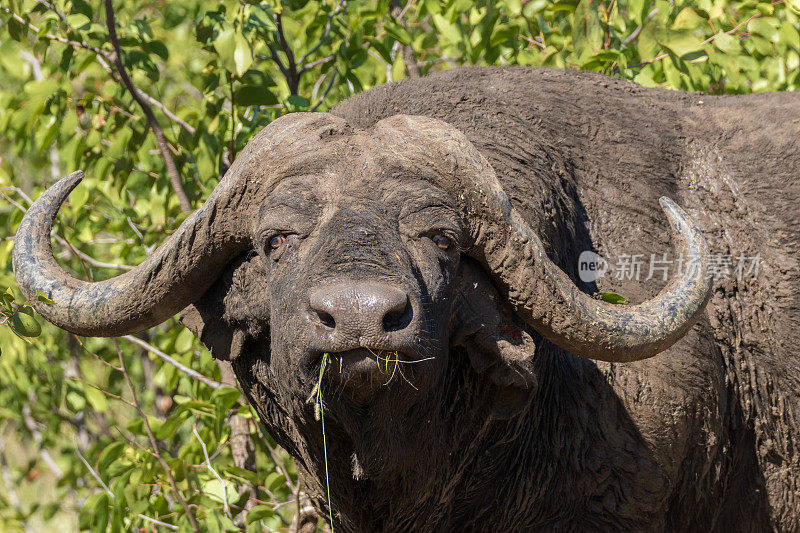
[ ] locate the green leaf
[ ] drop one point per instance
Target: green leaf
(587, 31)
(447, 29)
(247, 475)
(43, 88)
(170, 426)
(687, 19)
(503, 33)
(257, 78)
(274, 481)
(225, 44)
(766, 27)
(110, 454)
(728, 44)
(298, 101)
(184, 341)
(81, 6)
(158, 48)
(94, 511)
(259, 512)
(226, 397)
(250, 95)
(679, 42)
(398, 32)
(78, 21)
(220, 491)
(96, 398)
(42, 297)
(24, 324)
(612, 298)
(242, 54)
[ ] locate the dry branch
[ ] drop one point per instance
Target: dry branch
(163, 147)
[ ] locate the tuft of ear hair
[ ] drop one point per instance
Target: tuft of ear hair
(496, 341)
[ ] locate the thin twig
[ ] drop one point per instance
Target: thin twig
(319, 62)
(163, 147)
(216, 474)
(63, 242)
(102, 391)
(276, 460)
(50, 36)
(241, 443)
(158, 522)
(111, 494)
(33, 427)
(639, 28)
(154, 442)
(172, 116)
(91, 470)
(104, 58)
(729, 32)
(409, 57)
(322, 40)
(327, 90)
(94, 262)
(183, 368)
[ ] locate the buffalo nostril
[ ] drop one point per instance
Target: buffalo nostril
(326, 319)
(397, 317)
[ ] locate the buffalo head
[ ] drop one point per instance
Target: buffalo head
(382, 248)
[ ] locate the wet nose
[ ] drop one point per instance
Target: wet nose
(360, 310)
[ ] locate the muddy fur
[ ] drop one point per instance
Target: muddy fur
(701, 437)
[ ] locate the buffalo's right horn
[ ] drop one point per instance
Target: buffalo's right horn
(184, 266)
(171, 278)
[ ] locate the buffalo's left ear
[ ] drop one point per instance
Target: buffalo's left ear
(496, 340)
(227, 313)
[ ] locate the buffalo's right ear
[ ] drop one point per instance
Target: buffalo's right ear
(223, 341)
(232, 309)
(498, 343)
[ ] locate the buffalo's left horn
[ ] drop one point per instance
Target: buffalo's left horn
(540, 292)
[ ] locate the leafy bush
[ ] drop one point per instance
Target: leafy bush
(116, 433)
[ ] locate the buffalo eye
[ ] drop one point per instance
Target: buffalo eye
(277, 241)
(442, 242)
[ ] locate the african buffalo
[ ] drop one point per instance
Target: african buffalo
(423, 238)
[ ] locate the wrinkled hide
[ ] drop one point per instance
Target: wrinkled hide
(494, 440)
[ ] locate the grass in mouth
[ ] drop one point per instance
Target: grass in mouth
(319, 406)
(319, 412)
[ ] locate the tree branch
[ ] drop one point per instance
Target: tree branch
(325, 34)
(292, 76)
(185, 369)
(104, 58)
(172, 170)
(153, 441)
(242, 447)
(409, 57)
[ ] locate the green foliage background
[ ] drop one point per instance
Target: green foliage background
(73, 450)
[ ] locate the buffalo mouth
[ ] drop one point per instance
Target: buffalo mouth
(367, 366)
